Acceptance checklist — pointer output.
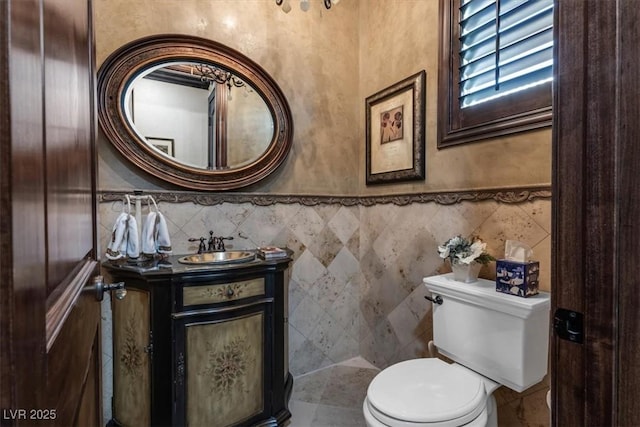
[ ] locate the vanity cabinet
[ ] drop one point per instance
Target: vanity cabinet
(201, 346)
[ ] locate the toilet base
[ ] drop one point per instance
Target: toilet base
(487, 418)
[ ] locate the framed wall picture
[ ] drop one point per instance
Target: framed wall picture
(166, 145)
(395, 130)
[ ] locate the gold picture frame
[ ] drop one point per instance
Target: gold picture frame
(395, 132)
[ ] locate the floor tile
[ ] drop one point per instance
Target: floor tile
(309, 388)
(347, 386)
(333, 416)
(301, 413)
(331, 397)
(528, 411)
(358, 362)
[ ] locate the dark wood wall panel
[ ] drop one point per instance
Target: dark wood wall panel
(5, 215)
(568, 225)
(48, 210)
(599, 211)
(68, 136)
(628, 157)
(79, 359)
(27, 278)
(90, 407)
(596, 211)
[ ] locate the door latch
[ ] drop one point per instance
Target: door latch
(99, 288)
(568, 325)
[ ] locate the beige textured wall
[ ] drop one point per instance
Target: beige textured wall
(400, 38)
(312, 56)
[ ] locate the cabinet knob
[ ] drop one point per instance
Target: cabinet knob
(230, 292)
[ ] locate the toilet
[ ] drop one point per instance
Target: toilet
(494, 339)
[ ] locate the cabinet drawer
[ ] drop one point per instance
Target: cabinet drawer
(221, 292)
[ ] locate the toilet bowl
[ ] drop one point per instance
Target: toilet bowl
(429, 392)
(493, 339)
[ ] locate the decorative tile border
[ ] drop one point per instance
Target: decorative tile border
(503, 195)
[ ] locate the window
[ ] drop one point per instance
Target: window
(496, 71)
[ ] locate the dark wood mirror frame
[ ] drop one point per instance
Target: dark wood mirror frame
(130, 60)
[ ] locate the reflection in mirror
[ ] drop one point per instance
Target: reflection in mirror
(199, 115)
(193, 112)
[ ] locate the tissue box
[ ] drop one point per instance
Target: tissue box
(517, 278)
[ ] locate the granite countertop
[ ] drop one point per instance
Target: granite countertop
(169, 265)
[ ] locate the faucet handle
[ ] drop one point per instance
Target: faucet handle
(201, 247)
(221, 242)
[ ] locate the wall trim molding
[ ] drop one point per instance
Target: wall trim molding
(502, 195)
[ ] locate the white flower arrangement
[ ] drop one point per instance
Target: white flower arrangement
(462, 250)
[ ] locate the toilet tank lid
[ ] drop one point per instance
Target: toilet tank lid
(483, 293)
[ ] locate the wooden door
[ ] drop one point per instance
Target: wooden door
(596, 231)
(49, 330)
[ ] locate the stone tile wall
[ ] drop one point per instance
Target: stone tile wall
(356, 278)
(398, 248)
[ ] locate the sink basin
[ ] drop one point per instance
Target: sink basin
(227, 257)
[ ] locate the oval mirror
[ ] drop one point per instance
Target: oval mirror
(193, 112)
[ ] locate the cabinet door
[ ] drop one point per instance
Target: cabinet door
(223, 363)
(131, 364)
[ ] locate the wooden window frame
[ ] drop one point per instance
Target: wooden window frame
(517, 112)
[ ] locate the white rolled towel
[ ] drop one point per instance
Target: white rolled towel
(117, 238)
(133, 244)
(163, 240)
(149, 234)
(123, 244)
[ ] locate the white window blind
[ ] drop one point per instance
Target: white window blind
(505, 46)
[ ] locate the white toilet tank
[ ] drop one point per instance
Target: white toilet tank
(500, 336)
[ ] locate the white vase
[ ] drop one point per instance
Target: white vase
(467, 273)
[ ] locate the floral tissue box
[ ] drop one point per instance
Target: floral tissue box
(517, 278)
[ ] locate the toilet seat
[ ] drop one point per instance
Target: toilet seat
(426, 392)
(484, 419)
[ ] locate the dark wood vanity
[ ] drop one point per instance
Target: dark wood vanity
(201, 345)
(198, 345)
